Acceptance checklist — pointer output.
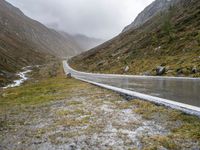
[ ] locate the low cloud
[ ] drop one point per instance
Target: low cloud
(96, 18)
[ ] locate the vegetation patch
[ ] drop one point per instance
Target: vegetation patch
(182, 126)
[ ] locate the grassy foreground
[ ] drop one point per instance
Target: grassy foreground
(54, 112)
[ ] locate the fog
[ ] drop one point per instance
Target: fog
(95, 18)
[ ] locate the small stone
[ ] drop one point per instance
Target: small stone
(69, 75)
(179, 71)
(160, 70)
(72, 147)
(146, 73)
(126, 69)
(101, 63)
(194, 70)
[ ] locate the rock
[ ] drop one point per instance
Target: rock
(126, 69)
(179, 71)
(69, 75)
(194, 70)
(146, 73)
(101, 63)
(72, 147)
(160, 70)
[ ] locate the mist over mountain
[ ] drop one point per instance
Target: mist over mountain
(150, 11)
(164, 36)
(24, 41)
(86, 42)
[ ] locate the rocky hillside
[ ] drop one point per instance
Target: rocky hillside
(150, 11)
(167, 44)
(24, 41)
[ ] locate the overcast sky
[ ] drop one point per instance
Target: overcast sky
(96, 18)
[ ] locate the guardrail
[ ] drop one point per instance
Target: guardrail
(189, 109)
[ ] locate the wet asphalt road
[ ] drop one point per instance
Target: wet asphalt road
(184, 90)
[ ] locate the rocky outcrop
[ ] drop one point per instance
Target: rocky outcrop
(149, 12)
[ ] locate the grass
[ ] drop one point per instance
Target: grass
(188, 128)
(40, 90)
(37, 93)
(155, 142)
(74, 122)
(72, 118)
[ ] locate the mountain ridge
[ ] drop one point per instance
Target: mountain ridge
(170, 40)
(24, 41)
(150, 11)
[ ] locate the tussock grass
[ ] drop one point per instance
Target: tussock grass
(187, 127)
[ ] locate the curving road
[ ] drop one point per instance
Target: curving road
(183, 92)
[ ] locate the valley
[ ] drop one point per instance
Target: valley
(65, 85)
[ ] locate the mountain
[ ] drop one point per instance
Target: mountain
(150, 11)
(86, 42)
(169, 40)
(24, 41)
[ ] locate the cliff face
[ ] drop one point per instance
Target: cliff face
(150, 11)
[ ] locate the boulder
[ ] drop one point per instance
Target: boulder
(69, 75)
(126, 69)
(194, 70)
(160, 70)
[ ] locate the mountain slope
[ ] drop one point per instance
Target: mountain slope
(150, 11)
(24, 41)
(170, 39)
(87, 42)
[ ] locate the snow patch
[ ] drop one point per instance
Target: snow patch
(22, 76)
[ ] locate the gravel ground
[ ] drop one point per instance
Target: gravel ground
(90, 118)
